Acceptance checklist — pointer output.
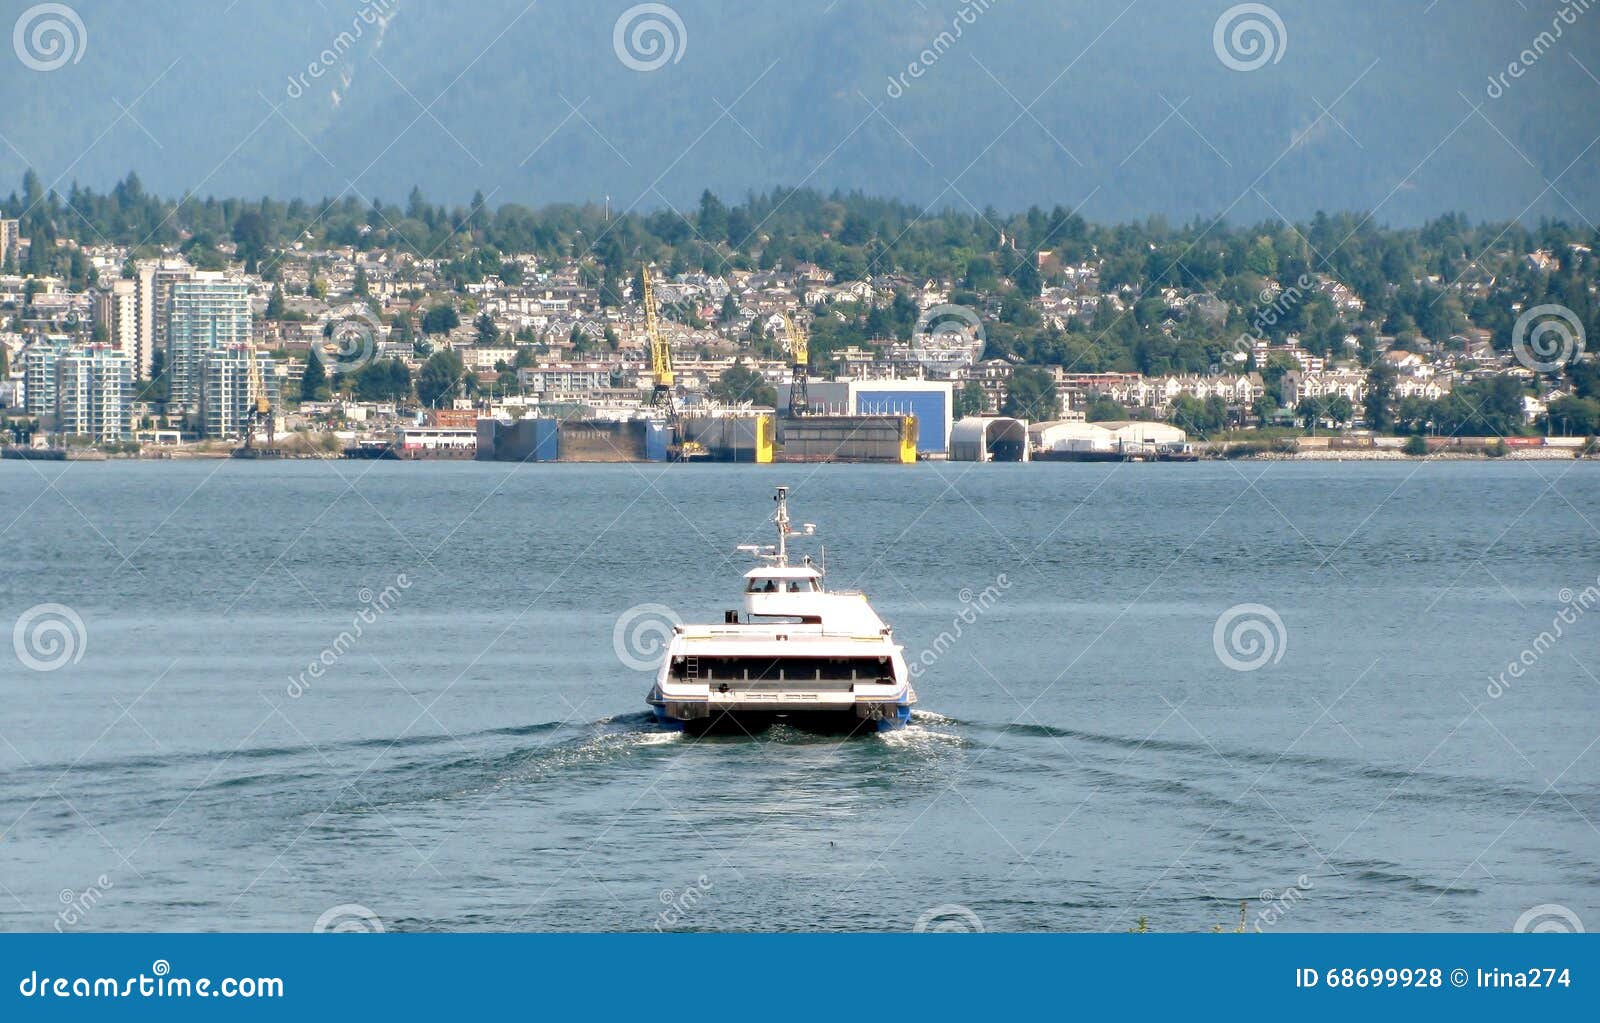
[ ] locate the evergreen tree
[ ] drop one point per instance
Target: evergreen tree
(314, 382)
(487, 332)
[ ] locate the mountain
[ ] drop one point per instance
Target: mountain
(1123, 110)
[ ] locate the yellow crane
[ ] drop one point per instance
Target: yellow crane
(258, 400)
(663, 396)
(799, 368)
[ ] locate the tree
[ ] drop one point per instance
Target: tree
(970, 400)
(1102, 408)
(1336, 408)
(1272, 374)
(1027, 279)
(1570, 416)
(579, 340)
(275, 303)
(440, 378)
(383, 380)
(488, 334)
(729, 311)
(1377, 410)
(1202, 418)
(441, 319)
(252, 235)
(1030, 394)
(1415, 445)
(739, 383)
(713, 219)
(359, 287)
(314, 381)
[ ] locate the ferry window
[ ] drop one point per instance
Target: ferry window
(796, 586)
(837, 670)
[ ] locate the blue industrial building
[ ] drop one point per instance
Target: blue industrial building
(930, 402)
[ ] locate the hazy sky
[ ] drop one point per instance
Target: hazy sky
(1120, 109)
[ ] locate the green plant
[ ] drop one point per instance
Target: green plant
(1415, 445)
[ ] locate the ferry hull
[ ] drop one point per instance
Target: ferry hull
(748, 717)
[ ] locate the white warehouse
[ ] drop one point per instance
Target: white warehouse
(1112, 439)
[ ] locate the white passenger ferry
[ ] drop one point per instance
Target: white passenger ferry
(798, 652)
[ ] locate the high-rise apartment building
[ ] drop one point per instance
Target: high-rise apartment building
(39, 361)
(206, 312)
(227, 402)
(116, 314)
(94, 393)
(152, 290)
